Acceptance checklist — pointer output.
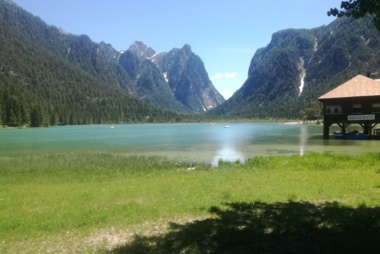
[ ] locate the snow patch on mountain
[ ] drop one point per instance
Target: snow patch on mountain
(166, 77)
(302, 71)
(315, 45)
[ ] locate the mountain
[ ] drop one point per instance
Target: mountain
(188, 79)
(49, 76)
(175, 80)
(299, 65)
(148, 79)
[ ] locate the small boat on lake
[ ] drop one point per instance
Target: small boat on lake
(112, 126)
(226, 126)
(354, 135)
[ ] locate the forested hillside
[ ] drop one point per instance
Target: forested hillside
(50, 77)
(299, 65)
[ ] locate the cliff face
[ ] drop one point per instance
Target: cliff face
(177, 78)
(299, 65)
(148, 80)
(188, 79)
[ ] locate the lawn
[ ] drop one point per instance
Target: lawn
(103, 202)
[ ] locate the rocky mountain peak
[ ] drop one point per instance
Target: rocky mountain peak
(142, 50)
(188, 79)
(186, 48)
(176, 79)
(109, 51)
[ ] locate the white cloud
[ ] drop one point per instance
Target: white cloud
(217, 76)
(224, 75)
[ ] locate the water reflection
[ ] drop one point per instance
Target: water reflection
(303, 138)
(242, 141)
(228, 140)
(229, 154)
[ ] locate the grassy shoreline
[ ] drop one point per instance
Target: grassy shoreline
(102, 200)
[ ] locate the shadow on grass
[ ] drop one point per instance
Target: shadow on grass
(294, 227)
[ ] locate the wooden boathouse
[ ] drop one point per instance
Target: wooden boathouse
(356, 101)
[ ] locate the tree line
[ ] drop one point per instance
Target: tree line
(50, 78)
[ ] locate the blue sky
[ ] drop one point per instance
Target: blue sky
(225, 34)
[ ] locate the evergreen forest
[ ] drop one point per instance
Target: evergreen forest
(40, 85)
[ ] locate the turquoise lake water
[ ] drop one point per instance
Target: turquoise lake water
(198, 142)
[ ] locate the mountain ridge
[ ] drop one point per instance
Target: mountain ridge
(182, 71)
(62, 78)
(299, 65)
(284, 77)
(48, 77)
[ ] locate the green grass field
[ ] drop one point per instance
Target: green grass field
(100, 202)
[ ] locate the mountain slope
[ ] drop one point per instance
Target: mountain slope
(148, 79)
(59, 78)
(174, 80)
(188, 79)
(299, 65)
(49, 78)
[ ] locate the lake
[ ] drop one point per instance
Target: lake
(196, 142)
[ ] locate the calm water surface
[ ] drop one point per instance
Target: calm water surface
(199, 142)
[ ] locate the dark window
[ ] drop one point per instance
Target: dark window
(333, 110)
(357, 109)
(376, 108)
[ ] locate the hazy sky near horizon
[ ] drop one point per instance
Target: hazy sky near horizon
(224, 34)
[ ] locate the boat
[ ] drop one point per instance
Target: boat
(226, 126)
(112, 126)
(354, 135)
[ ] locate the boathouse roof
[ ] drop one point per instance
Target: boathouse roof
(359, 86)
